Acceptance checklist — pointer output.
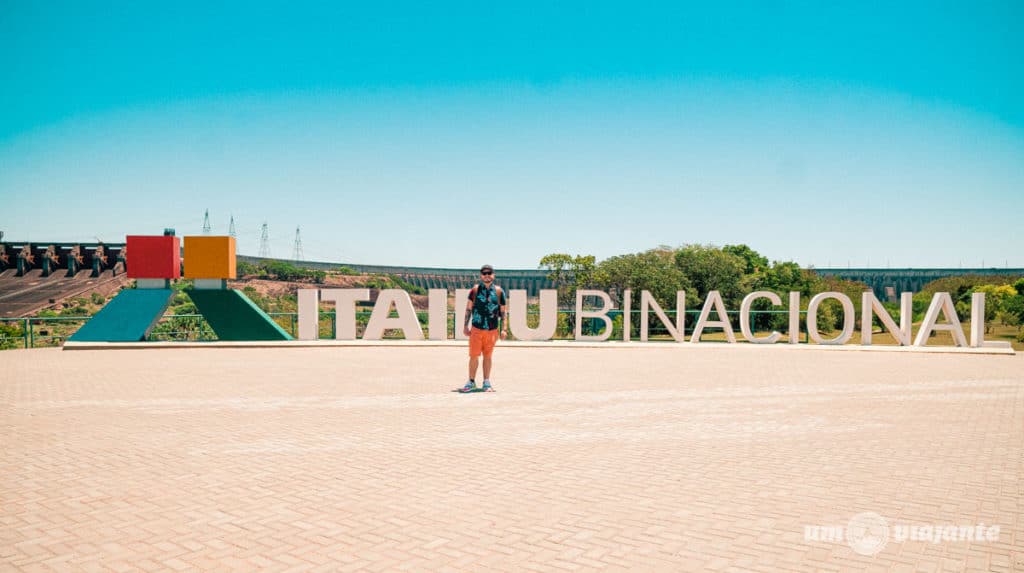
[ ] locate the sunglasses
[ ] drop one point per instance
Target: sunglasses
(487, 273)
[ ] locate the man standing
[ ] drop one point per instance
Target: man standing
(485, 312)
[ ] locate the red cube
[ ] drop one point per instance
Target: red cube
(154, 257)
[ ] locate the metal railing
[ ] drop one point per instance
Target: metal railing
(32, 332)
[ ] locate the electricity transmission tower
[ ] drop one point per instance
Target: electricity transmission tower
(206, 222)
(264, 242)
(231, 227)
(297, 250)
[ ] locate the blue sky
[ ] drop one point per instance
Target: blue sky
(452, 134)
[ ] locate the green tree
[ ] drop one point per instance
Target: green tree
(784, 277)
(654, 270)
(754, 261)
(710, 268)
(569, 273)
(998, 298)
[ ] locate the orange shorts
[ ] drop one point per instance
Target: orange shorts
(482, 341)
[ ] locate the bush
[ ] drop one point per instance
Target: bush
(183, 328)
(244, 269)
(283, 271)
(381, 282)
(1015, 307)
(11, 336)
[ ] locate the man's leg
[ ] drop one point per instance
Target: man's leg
(473, 362)
(475, 348)
(488, 348)
(487, 367)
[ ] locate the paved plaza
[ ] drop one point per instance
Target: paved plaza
(664, 458)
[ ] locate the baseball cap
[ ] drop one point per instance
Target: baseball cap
(487, 268)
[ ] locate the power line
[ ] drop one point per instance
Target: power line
(264, 242)
(297, 250)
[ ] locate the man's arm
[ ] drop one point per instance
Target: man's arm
(504, 315)
(468, 314)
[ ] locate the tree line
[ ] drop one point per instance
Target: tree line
(735, 270)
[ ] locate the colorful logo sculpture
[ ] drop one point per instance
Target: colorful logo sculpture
(153, 261)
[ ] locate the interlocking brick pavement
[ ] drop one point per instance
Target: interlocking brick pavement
(360, 459)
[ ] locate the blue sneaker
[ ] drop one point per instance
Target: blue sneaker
(487, 386)
(469, 387)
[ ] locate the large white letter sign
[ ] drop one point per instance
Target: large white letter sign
(344, 309)
(461, 298)
(548, 315)
(647, 303)
(941, 302)
(978, 325)
(406, 320)
(713, 300)
(601, 313)
(870, 306)
(437, 314)
(745, 317)
(309, 313)
(849, 317)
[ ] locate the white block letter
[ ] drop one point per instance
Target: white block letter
(548, 315)
(849, 317)
(461, 299)
(794, 317)
(309, 314)
(627, 310)
(601, 313)
(745, 316)
(943, 303)
(978, 324)
(870, 306)
(437, 317)
(647, 303)
(406, 320)
(344, 309)
(714, 300)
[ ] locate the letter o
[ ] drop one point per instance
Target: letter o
(849, 319)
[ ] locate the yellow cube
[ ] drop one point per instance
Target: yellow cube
(209, 257)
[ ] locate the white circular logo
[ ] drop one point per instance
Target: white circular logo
(867, 533)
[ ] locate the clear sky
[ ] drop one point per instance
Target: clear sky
(451, 134)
